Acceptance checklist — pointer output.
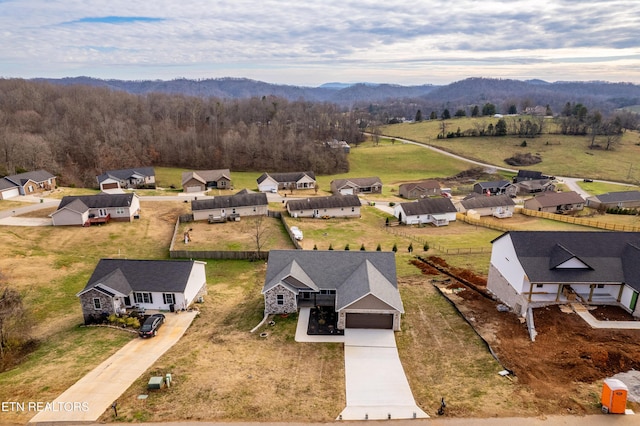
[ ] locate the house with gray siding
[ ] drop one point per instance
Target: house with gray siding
(204, 180)
(500, 206)
(360, 286)
(354, 186)
(556, 202)
(83, 210)
(140, 177)
(270, 182)
(243, 203)
(615, 200)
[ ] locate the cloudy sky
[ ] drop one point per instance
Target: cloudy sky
(307, 43)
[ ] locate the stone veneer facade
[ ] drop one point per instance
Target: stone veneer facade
(88, 309)
(271, 305)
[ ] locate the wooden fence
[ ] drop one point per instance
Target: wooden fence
(581, 221)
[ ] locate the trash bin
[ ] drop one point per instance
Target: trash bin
(614, 396)
(172, 307)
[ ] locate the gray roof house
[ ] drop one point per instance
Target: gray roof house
(84, 210)
(420, 189)
(437, 211)
(28, 183)
(613, 200)
(536, 268)
(361, 286)
(119, 284)
(202, 180)
(366, 185)
(269, 182)
(496, 187)
(140, 177)
(500, 206)
(228, 207)
(331, 206)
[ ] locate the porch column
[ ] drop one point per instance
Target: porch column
(560, 288)
(620, 293)
(591, 287)
(530, 291)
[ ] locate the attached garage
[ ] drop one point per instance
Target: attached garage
(112, 185)
(9, 193)
(378, 321)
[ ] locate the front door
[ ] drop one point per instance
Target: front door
(634, 301)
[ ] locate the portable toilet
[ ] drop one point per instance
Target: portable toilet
(614, 396)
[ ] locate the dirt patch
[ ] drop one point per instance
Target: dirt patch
(564, 367)
(612, 313)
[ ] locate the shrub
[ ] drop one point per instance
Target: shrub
(346, 247)
(391, 204)
(362, 247)
(378, 248)
(330, 246)
(315, 247)
(395, 247)
(425, 247)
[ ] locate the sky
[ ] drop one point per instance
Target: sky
(308, 43)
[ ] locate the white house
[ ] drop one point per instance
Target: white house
(83, 210)
(536, 268)
(270, 182)
(119, 284)
(438, 211)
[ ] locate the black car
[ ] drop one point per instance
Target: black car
(151, 325)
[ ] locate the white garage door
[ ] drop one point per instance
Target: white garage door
(10, 193)
(346, 191)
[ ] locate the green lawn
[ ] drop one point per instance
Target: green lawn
(561, 155)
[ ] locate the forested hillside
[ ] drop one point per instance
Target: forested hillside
(78, 132)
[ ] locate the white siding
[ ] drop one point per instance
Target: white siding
(504, 258)
(197, 279)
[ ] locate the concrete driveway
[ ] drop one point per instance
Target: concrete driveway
(92, 395)
(377, 387)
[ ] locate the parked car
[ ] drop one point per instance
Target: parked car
(297, 233)
(151, 325)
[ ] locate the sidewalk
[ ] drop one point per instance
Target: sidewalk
(584, 313)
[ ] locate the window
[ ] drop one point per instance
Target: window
(168, 298)
(280, 299)
(538, 285)
(143, 297)
(600, 286)
(120, 210)
(327, 292)
(353, 209)
(96, 304)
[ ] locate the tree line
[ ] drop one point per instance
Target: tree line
(78, 132)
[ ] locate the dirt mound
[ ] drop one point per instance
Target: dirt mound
(562, 368)
(526, 159)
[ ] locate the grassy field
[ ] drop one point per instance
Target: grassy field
(561, 155)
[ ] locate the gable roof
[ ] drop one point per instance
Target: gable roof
(530, 174)
(617, 197)
(97, 201)
(356, 182)
(125, 275)
(551, 198)
(124, 174)
(331, 201)
(7, 184)
(353, 274)
(494, 184)
(604, 257)
(485, 202)
(241, 199)
(286, 177)
(205, 176)
(36, 176)
(428, 206)
(423, 184)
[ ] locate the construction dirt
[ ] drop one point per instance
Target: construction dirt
(566, 364)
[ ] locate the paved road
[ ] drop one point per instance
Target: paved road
(92, 395)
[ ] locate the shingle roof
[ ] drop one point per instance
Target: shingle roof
(485, 202)
(241, 199)
(98, 201)
(353, 274)
(7, 184)
(428, 206)
(494, 184)
(609, 257)
(331, 201)
(286, 177)
(125, 275)
(551, 199)
(205, 176)
(617, 197)
(36, 176)
(423, 184)
(124, 174)
(357, 182)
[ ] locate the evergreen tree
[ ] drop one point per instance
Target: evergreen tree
(418, 116)
(446, 114)
(501, 128)
(379, 248)
(475, 111)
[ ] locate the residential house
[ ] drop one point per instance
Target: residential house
(437, 211)
(615, 200)
(331, 206)
(420, 189)
(496, 187)
(228, 207)
(204, 180)
(137, 178)
(336, 144)
(120, 284)
(524, 175)
(360, 285)
(83, 210)
(500, 206)
(556, 202)
(271, 182)
(368, 185)
(535, 268)
(526, 187)
(28, 183)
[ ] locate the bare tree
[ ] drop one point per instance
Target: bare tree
(258, 228)
(13, 324)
